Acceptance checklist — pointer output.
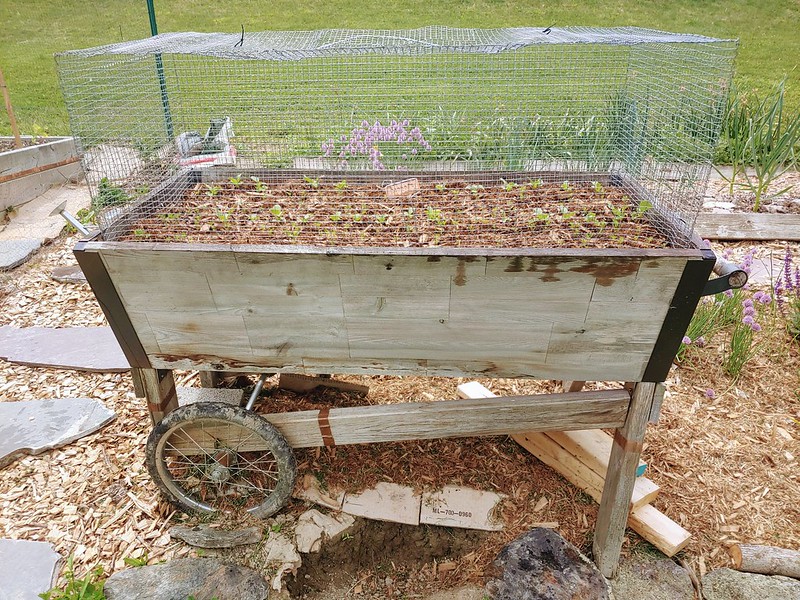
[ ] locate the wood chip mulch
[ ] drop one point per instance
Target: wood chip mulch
(727, 465)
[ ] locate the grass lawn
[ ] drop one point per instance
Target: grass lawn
(34, 29)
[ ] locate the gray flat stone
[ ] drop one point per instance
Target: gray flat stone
(70, 274)
(31, 427)
(727, 584)
(202, 578)
(651, 578)
(541, 565)
(82, 348)
(27, 569)
(15, 252)
(203, 536)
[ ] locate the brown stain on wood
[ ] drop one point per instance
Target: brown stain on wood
(608, 271)
(461, 273)
(549, 272)
(515, 266)
(190, 328)
(291, 290)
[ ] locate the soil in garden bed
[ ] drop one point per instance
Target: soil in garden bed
(448, 213)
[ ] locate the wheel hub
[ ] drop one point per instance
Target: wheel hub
(221, 466)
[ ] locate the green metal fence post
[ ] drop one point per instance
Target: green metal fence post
(162, 83)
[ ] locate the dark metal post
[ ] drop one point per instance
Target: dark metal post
(162, 83)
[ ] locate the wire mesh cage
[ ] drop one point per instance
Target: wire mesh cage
(428, 137)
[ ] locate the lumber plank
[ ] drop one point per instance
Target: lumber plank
(577, 473)
(449, 418)
(592, 447)
(619, 482)
(658, 529)
(767, 560)
(748, 226)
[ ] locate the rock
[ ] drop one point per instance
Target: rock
(313, 528)
(204, 536)
(385, 502)
(309, 489)
(81, 348)
(727, 584)
(541, 565)
(461, 507)
(281, 553)
(15, 252)
(115, 163)
(469, 592)
(34, 426)
(27, 569)
(651, 578)
(203, 578)
(70, 274)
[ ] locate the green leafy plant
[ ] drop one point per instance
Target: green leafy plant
(276, 211)
(342, 185)
(237, 180)
(441, 187)
(89, 587)
(139, 561)
(108, 194)
(212, 190)
(314, 183)
(260, 185)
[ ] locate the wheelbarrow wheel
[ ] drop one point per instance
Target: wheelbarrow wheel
(213, 457)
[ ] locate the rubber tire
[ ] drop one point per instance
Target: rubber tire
(278, 446)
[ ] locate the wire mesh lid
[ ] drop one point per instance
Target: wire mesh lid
(295, 45)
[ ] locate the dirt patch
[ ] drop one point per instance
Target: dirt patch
(453, 214)
(374, 551)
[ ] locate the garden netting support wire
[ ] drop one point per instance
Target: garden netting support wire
(292, 137)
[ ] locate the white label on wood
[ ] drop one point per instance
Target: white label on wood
(385, 502)
(462, 507)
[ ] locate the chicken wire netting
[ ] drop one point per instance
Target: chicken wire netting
(434, 136)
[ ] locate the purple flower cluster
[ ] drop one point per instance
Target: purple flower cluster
(365, 140)
(749, 315)
(787, 287)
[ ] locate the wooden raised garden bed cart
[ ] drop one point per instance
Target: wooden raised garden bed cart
(265, 253)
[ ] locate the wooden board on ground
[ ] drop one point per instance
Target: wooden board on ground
(658, 529)
(748, 226)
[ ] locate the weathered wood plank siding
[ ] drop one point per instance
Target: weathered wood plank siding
(593, 313)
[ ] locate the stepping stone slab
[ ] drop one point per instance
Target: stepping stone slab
(204, 536)
(385, 502)
(15, 252)
(70, 274)
(202, 578)
(727, 584)
(541, 565)
(92, 349)
(34, 426)
(651, 578)
(465, 508)
(27, 569)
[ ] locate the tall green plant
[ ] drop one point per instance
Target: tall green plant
(761, 135)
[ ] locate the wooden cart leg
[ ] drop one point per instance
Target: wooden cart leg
(210, 379)
(159, 389)
(620, 477)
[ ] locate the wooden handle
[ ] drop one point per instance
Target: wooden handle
(9, 109)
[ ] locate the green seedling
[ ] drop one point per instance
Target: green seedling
(236, 180)
(474, 189)
(598, 187)
(212, 190)
(260, 185)
(89, 587)
(435, 216)
(314, 183)
(441, 187)
(276, 211)
(342, 185)
(381, 219)
(509, 186)
(643, 208)
(566, 186)
(337, 216)
(536, 183)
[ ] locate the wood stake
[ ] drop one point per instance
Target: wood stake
(10, 111)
